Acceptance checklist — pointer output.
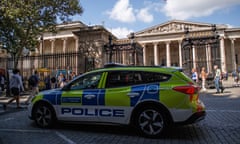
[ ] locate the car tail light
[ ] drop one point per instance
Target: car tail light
(187, 89)
(190, 90)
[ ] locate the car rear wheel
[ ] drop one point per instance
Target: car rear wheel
(150, 122)
(44, 115)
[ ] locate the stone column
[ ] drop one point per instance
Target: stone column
(41, 47)
(64, 45)
(209, 58)
(38, 62)
(144, 55)
(222, 54)
(234, 65)
(64, 51)
(194, 56)
(52, 52)
(156, 62)
(124, 57)
(52, 45)
(168, 54)
(180, 53)
(77, 56)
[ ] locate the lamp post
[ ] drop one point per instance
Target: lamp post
(41, 52)
(110, 48)
(88, 53)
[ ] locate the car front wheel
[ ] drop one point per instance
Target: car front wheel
(150, 122)
(44, 115)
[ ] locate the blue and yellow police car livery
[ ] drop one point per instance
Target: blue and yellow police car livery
(148, 98)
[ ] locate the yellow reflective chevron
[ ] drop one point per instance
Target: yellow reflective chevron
(72, 98)
(37, 98)
(102, 81)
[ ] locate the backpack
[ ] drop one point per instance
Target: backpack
(53, 79)
(32, 81)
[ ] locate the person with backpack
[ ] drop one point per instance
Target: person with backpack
(47, 82)
(2, 81)
(53, 82)
(33, 84)
(16, 86)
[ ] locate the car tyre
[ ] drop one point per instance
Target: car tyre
(44, 115)
(151, 122)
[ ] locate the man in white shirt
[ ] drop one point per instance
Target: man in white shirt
(217, 79)
(16, 85)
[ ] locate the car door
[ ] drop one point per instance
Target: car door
(124, 90)
(80, 98)
(118, 96)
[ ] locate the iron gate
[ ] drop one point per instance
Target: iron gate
(202, 51)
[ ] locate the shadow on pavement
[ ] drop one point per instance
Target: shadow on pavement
(186, 132)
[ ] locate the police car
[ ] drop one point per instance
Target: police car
(150, 98)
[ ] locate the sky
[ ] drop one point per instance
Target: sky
(121, 17)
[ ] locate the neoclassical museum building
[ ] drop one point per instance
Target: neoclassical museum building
(80, 47)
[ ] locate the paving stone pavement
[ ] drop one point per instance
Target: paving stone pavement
(221, 126)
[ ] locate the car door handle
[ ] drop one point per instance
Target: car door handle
(132, 95)
(89, 96)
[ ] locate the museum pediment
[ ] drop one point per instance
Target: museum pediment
(175, 26)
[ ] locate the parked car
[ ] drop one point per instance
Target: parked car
(148, 98)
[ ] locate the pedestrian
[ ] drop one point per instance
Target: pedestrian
(47, 82)
(63, 81)
(235, 78)
(194, 75)
(16, 86)
(33, 82)
(238, 84)
(2, 81)
(53, 82)
(218, 80)
(203, 77)
(74, 75)
(59, 79)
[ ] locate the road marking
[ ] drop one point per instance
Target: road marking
(7, 119)
(39, 131)
(23, 130)
(231, 111)
(65, 138)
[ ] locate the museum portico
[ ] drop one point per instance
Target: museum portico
(162, 44)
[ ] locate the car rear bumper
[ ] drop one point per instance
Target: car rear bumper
(196, 117)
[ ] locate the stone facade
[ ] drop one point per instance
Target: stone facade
(161, 45)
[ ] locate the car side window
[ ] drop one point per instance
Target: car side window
(127, 78)
(119, 78)
(89, 81)
(150, 77)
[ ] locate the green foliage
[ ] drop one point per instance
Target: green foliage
(22, 22)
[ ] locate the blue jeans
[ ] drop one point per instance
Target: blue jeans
(217, 80)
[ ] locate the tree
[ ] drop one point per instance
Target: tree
(22, 22)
